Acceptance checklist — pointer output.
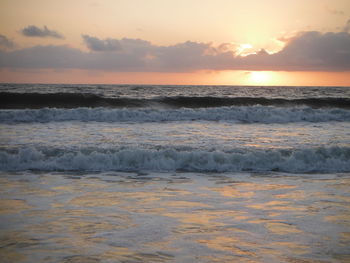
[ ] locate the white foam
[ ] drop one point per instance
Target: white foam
(251, 114)
(333, 159)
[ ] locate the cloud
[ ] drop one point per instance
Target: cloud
(308, 51)
(316, 51)
(6, 43)
(34, 31)
(347, 26)
(95, 44)
(43, 57)
(65, 57)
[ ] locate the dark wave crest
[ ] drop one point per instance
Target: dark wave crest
(62, 100)
(10, 100)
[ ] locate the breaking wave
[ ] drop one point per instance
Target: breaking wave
(10, 100)
(332, 159)
(252, 114)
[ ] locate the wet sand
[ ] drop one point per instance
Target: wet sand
(174, 217)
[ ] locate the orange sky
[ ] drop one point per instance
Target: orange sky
(138, 41)
(276, 78)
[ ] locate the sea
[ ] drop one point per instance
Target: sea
(167, 173)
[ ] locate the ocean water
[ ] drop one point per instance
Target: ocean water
(141, 173)
(174, 128)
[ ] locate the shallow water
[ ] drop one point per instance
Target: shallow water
(200, 135)
(197, 146)
(174, 217)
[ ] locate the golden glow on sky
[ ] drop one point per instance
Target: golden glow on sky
(244, 50)
(280, 78)
(248, 26)
(260, 77)
(167, 22)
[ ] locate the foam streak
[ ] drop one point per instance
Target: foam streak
(332, 159)
(252, 114)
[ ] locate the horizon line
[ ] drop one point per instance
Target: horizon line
(133, 84)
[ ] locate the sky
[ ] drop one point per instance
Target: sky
(223, 42)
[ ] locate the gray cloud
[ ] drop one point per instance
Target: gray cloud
(308, 51)
(43, 57)
(95, 44)
(347, 26)
(6, 43)
(34, 31)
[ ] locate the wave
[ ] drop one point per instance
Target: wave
(10, 100)
(332, 159)
(253, 114)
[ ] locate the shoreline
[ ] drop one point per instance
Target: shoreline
(174, 217)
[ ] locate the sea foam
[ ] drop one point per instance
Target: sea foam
(321, 159)
(248, 114)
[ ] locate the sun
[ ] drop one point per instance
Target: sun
(263, 78)
(244, 50)
(259, 77)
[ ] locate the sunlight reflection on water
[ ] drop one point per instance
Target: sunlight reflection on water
(117, 217)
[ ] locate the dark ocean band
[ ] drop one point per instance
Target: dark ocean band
(10, 100)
